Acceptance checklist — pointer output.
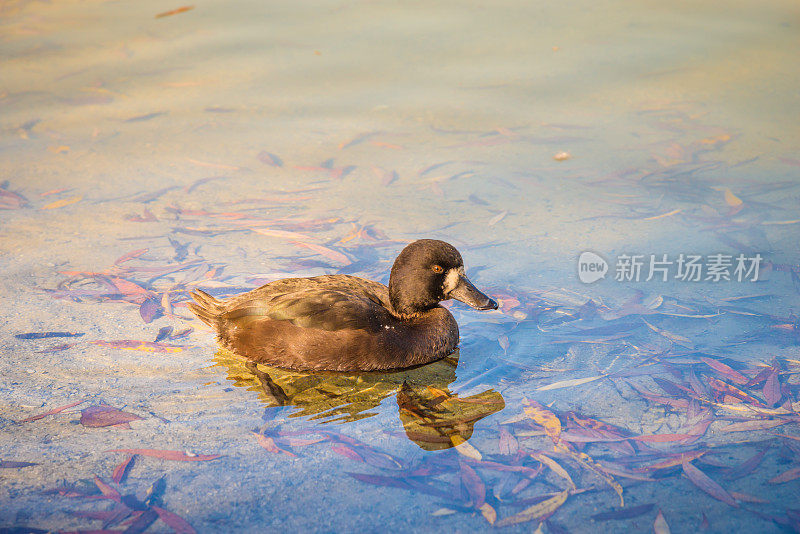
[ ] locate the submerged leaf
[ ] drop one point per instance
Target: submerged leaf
(170, 455)
(538, 510)
(660, 525)
(51, 412)
(103, 415)
(9, 464)
(546, 419)
(702, 481)
(178, 524)
(786, 476)
(735, 376)
(44, 335)
(569, 383)
(121, 469)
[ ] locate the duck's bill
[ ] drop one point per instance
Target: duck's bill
(469, 294)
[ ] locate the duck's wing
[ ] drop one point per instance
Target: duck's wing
(315, 307)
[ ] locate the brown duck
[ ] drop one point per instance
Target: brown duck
(346, 323)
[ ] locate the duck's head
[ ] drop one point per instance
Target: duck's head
(427, 272)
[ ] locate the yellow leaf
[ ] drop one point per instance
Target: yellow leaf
(61, 203)
(569, 383)
(555, 467)
(443, 511)
(541, 509)
(669, 213)
(731, 199)
(488, 513)
(660, 525)
(588, 462)
(464, 448)
(546, 419)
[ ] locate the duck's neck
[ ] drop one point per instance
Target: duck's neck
(408, 305)
(435, 334)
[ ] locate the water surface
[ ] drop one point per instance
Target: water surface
(235, 143)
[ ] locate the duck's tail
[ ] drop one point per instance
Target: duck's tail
(207, 308)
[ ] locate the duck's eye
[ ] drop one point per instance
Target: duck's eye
(437, 269)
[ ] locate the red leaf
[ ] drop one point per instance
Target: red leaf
(702, 481)
(119, 471)
(177, 456)
(8, 464)
(786, 476)
(130, 255)
(150, 310)
(100, 416)
(269, 444)
(508, 444)
(269, 159)
(51, 412)
(661, 438)
(772, 388)
(107, 491)
(347, 452)
(735, 376)
(174, 521)
(475, 486)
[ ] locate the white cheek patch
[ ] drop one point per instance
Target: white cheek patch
(451, 280)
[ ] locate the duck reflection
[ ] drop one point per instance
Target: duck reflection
(432, 416)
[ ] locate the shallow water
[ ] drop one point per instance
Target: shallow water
(240, 142)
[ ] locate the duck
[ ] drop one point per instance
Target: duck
(347, 323)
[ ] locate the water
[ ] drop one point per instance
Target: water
(196, 150)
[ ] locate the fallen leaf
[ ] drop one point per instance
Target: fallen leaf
(497, 218)
(120, 470)
(663, 215)
(507, 443)
(772, 388)
(660, 525)
(170, 455)
(735, 376)
(464, 448)
(269, 444)
(51, 412)
(45, 335)
(61, 203)
(569, 383)
(678, 459)
(731, 199)
(488, 513)
(176, 11)
(786, 476)
(173, 521)
(8, 464)
(555, 467)
(270, 159)
(284, 234)
(474, 485)
(325, 251)
(702, 481)
(747, 426)
(536, 511)
(146, 346)
(103, 415)
(107, 491)
(544, 418)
